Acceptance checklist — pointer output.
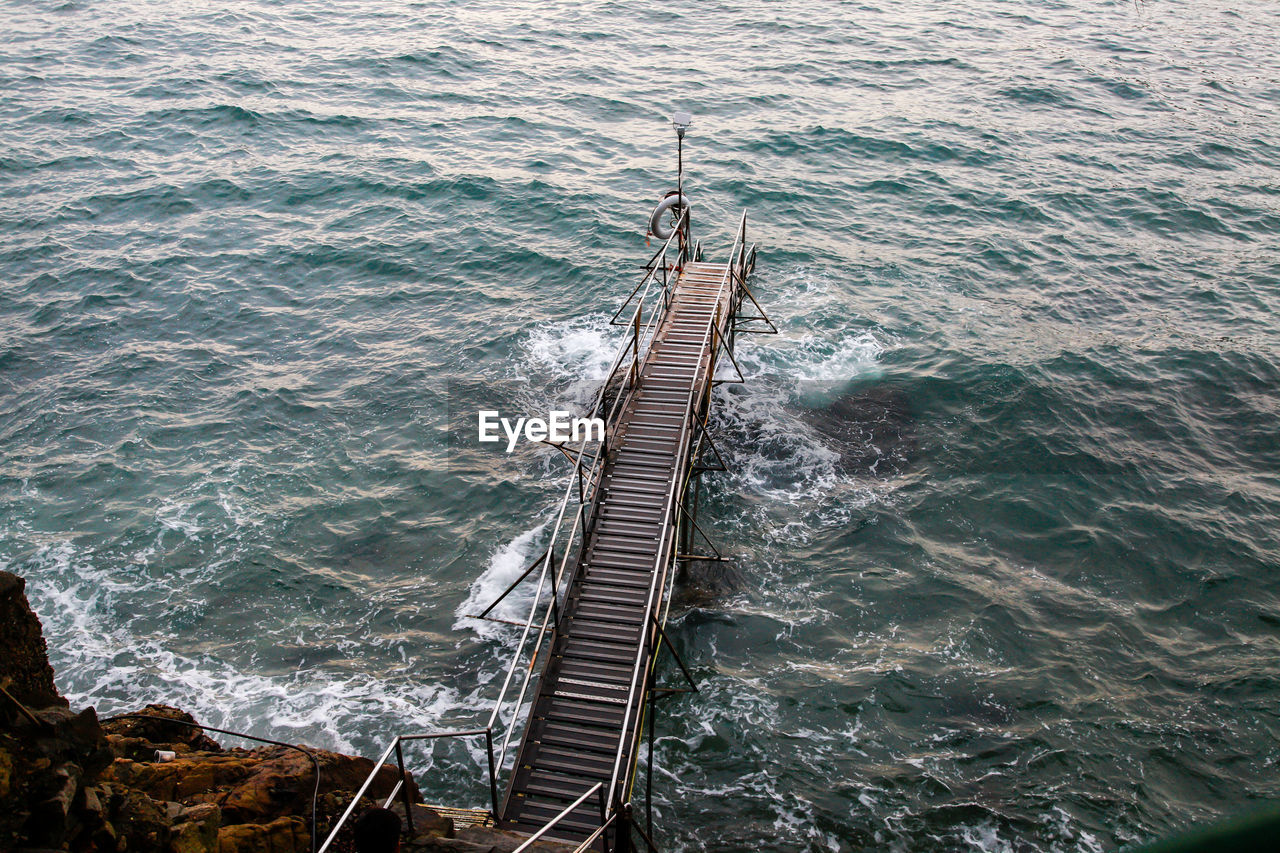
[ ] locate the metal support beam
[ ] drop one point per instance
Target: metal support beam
(662, 636)
(484, 613)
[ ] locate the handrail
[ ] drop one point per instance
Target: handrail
(529, 842)
(591, 839)
(638, 342)
(394, 746)
(672, 490)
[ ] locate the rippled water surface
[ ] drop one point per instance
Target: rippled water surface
(1004, 490)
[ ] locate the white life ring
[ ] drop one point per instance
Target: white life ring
(672, 201)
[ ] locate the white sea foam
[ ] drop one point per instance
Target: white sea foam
(176, 515)
(121, 665)
(580, 349)
(506, 564)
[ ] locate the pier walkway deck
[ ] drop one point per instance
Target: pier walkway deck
(627, 520)
(582, 728)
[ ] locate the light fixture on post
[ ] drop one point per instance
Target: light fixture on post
(681, 120)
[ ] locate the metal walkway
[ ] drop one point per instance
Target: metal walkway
(589, 705)
(627, 520)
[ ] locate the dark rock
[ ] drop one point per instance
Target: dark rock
(152, 733)
(24, 667)
(139, 820)
(427, 822)
(873, 430)
(50, 817)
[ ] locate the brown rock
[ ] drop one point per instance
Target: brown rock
(139, 820)
(70, 783)
(157, 732)
(185, 777)
(481, 840)
(24, 667)
(429, 823)
(198, 831)
(203, 813)
(283, 835)
(6, 773)
(283, 779)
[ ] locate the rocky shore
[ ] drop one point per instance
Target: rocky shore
(69, 781)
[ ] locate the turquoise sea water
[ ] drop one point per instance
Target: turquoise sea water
(1004, 490)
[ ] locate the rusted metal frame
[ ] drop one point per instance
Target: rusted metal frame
(704, 433)
(573, 458)
(645, 836)
(748, 267)
(728, 349)
(682, 459)
(663, 638)
(707, 539)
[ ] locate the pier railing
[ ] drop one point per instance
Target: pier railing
(651, 298)
(695, 412)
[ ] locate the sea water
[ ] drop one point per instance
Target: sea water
(1003, 489)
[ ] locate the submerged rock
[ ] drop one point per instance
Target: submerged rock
(872, 429)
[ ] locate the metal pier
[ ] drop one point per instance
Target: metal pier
(583, 726)
(627, 520)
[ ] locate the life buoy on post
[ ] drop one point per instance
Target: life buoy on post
(674, 203)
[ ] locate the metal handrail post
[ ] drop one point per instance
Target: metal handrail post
(404, 789)
(604, 821)
(493, 774)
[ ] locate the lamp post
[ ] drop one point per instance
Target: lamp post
(681, 120)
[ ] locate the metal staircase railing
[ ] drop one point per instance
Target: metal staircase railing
(583, 478)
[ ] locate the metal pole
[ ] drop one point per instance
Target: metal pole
(635, 346)
(493, 773)
(648, 776)
(622, 842)
(404, 789)
(603, 820)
